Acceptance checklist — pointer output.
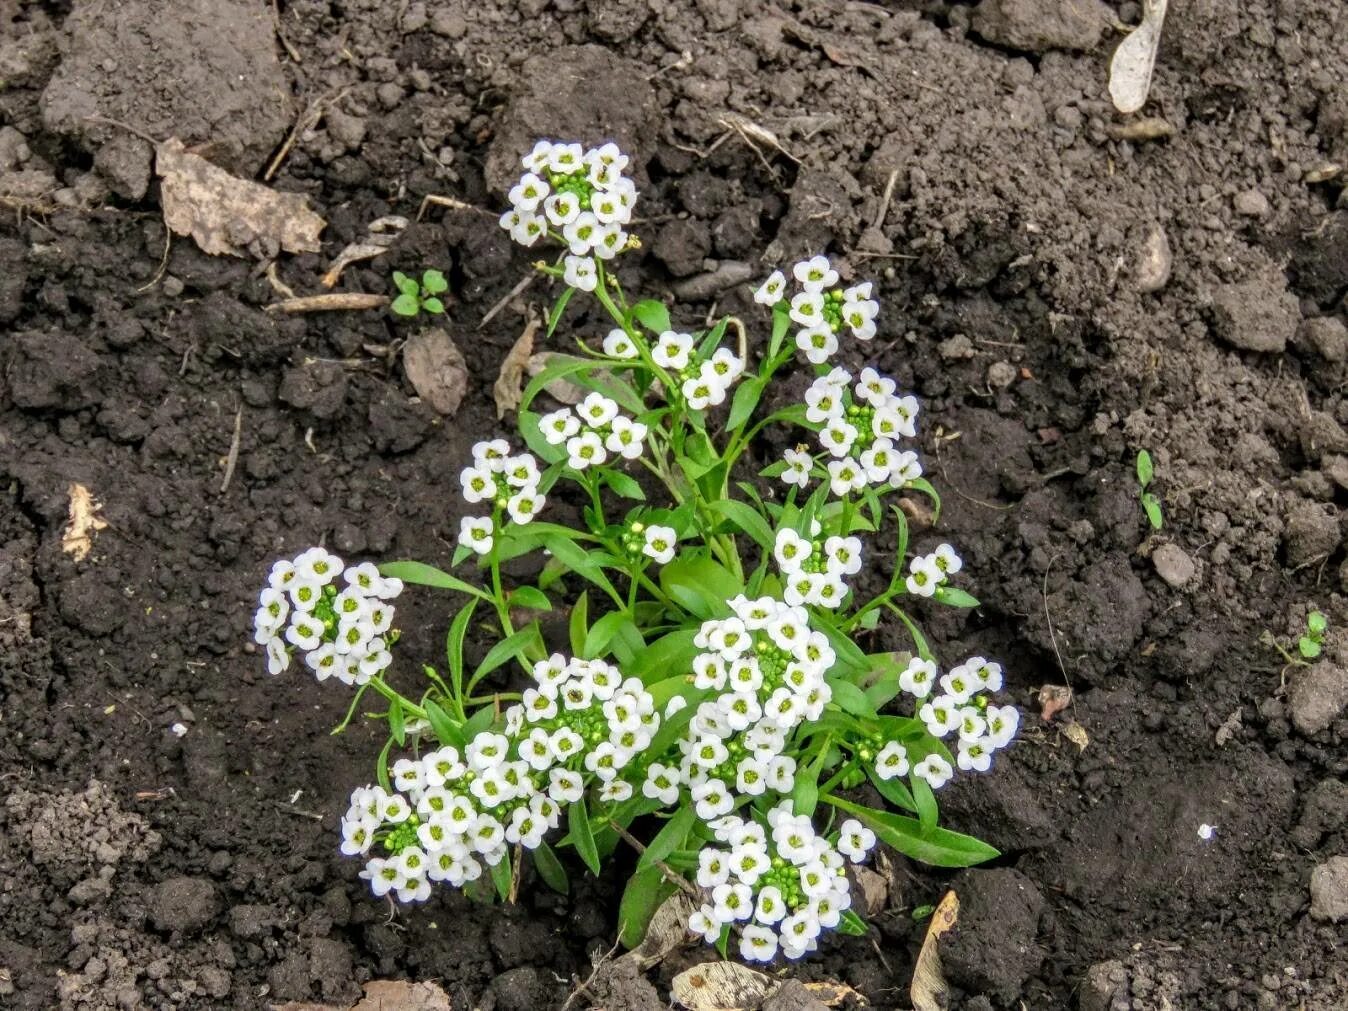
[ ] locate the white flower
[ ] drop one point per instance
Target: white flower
(702, 391)
(916, 679)
(585, 450)
(566, 158)
(528, 193)
(946, 559)
(940, 715)
(597, 410)
(815, 274)
(892, 761)
(798, 465)
(579, 272)
(924, 577)
(845, 477)
(935, 770)
(559, 426)
(660, 543)
(616, 790)
(711, 799)
(626, 437)
(1002, 723)
(278, 657)
(837, 436)
(477, 485)
(582, 235)
(855, 840)
(565, 787)
(974, 756)
(672, 349)
(822, 402)
(704, 922)
(807, 309)
(771, 290)
(758, 944)
(562, 208)
(619, 345)
(475, 532)
(1206, 832)
(662, 784)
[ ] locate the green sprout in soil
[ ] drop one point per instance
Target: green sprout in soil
(1308, 647)
(714, 693)
(420, 297)
(1151, 505)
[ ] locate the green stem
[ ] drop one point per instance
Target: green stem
(393, 695)
(839, 776)
(351, 710)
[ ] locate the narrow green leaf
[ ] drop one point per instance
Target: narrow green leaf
(723, 942)
(512, 646)
(579, 561)
(747, 519)
(670, 838)
(849, 653)
(502, 876)
(479, 721)
(901, 551)
(530, 598)
(852, 924)
(805, 790)
(444, 728)
(555, 316)
(396, 724)
(601, 634)
(892, 790)
(653, 315)
(579, 625)
(641, 898)
(550, 869)
(421, 574)
(669, 656)
(742, 406)
(953, 596)
(850, 698)
(582, 838)
(781, 322)
(622, 484)
(927, 811)
(1151, 505)
(1145, 471)
(699, 585)
(381, 767)
(940, 847)
(458, 630)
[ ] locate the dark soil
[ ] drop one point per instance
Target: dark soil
(1025, 301)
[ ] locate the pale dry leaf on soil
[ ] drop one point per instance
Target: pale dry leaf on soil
(384, 995)
(84, 521)
(668, 930)
(227, 215)
(379, 235)
(436, 369)
(509, 385)
(721, 986)
(929, 991)
(1076, 733)
(1135, 59)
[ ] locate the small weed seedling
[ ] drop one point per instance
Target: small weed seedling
(420, 297)
(711, 701)
(1151, 505)
(1309, 646)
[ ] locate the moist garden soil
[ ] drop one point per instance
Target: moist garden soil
(1058, 293)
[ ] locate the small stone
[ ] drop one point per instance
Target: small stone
(1035, 26)
(1252, 204)
(1173, 564)
(1329, 890)
(1001, 375)
(1316, 696)
(182, 904)
(449, 24)
(1154, 261)
(1326, 336)
(956, 348)
(1312, 533)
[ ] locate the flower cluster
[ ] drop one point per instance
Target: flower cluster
(781, 886)
(859, 428)
(591, 430)
(962, 709)
(767, 667)
(341, 631)
(577, 196)
(820, 308)
(448, 813)
(928, 573)
(509, 483)
(814, 571)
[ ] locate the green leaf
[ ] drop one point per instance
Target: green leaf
(479, 721)
(578, 560)
(670, 655)
(602, 633)
(849, 653)
(512, 646)
(433, 305)
(434, 282)
(1145, 471)
(940, 847)
(901, 551)
(555, 316)
(502, 876)
(406, 305)
(746, 518)
(641, 898)
(723, 942)
(1308, 647)
(579, 625)
(550, 869)
(1151, 505)
(892, 790)
(458, 630)
(805, 790)
(530, 598)
(622, 484)
(396, 724)
(699, 585)
(381, 767)
(653, 315)
(405, 284)
(527, 423)
(1316, 623)
(444, 728)
(850, 698)
(421, 574)
(927, 811)
(852, 924)
(742, 406)
(670, 838)
(781, 322)
(582, 838)
(953, 596)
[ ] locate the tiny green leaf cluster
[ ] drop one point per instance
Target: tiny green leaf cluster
(419, 296)
(1151, 505)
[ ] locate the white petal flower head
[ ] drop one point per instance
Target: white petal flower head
(558, 426)
(529, 192)
(562, 209)
(524, 505)
(855, 840)
(585, 450)
(660, 544)
(807, 309)
(1002, 724)
(579, 272)
(917, 678)
(672, 349)
(837, 437)
(564, 159)
(845, 476)
(771, 290)
(924, 577)
(815, 274)
(583, 235)
(475, 532)
(702, 392)
(946, 559)
(941, 715)
(478, 485)
(891, 761)
(537, 159)
(597, 410)
(626, 437)
(525, 227)
(935, 770)
(798, 466)
(758, 944)
(619, 345)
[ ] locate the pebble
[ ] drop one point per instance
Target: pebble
(1154, 261)
(1001, 375)
(1329, 890)
(1252, 204)
(1173, 564)
(1317, 695)
(957, 347)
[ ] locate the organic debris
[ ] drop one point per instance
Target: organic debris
(929, 991)
(721, 986)
(84, 522)
(1149, 128)
(509, 385)
(668, 930)
(380, 234)
(340, 301)
(229, 215)
(1134, 61)
(436, 369)
(1053, 699)
(384, 995)
(561, 390)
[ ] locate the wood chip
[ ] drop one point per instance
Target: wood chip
(436, 369)
(1076, 733)
(1135, 60)
(1151, 128)
(227, 215)
(84, 521)
(509, 385)
(929, 991)
(335, 302)
(384, 995)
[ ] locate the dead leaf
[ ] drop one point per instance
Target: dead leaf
(561, 390)
(833, 993)
(928, 991)
(229, 215)
(509, 385)
(668, 930)
(436, 368)
(1076, 733)
(1134, 61)
(78, 536)
(378, 237)
(721, 986)
(872, 891)
(1053, 699)
(384, 995)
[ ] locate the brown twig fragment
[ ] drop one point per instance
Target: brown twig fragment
(671, 875)
(232, 460)
(333, 302)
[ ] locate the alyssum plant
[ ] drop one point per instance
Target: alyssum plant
(712, 706)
